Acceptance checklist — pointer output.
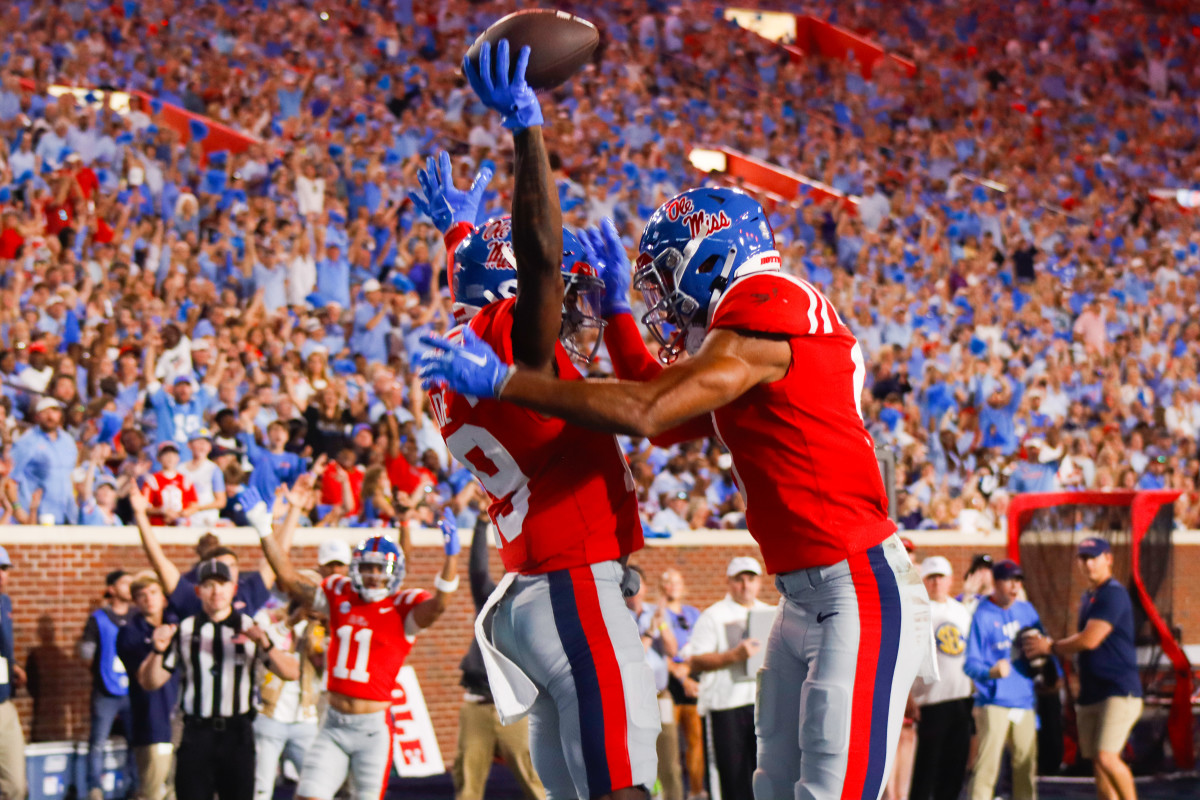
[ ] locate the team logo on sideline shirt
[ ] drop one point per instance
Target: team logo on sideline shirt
(949, 639)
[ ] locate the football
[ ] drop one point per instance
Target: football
(560, 44)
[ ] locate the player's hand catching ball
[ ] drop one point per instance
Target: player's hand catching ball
(514, 99)
(444, 203)
(470, 367)
(449, 526)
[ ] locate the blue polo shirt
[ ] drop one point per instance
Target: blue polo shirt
(151, 711)
(1111, 669)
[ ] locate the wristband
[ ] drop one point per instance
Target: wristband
(508, 376)
(446, 586)
(662, 626)
(270, 645)
(159, 652)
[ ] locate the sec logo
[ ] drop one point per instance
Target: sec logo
(344, 607)
(949, 639)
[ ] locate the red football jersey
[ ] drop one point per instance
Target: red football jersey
(174, 493)
(562, 496)
(802, 457)
(368, 642)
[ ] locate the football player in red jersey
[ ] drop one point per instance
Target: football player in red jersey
(781, 376)
(373, 624)
(562, 646)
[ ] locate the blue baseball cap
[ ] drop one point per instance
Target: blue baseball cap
(1094, 546)
(1007, 570)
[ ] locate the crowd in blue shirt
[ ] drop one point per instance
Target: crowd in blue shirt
(1020, 273)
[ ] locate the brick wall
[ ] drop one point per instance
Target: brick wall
(57, 579)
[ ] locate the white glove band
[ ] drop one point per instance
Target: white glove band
(508, 375)
(446, 586)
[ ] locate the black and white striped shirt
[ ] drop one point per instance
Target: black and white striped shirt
(217, 664)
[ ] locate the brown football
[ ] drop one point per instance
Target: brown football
(560, 44)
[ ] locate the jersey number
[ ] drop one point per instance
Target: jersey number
(363, 640)
(497, 470)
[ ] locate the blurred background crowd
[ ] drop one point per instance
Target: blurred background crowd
(1026, 302)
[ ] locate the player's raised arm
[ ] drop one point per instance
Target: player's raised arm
(286, 574)
(536, 215)
(446, 583)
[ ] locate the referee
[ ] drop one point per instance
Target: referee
(215, 652)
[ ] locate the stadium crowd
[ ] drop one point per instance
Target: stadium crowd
(1026, 307)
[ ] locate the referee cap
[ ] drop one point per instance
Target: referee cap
(213, 569)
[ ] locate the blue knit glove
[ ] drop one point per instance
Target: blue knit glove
(469, 367)
(441, 201)
(607, 254)
(514, 99)
(449, 526)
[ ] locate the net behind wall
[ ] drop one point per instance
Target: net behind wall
(1048, 544)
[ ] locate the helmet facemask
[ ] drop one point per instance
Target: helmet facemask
(674, 317)
(582, 316)
(379, 582)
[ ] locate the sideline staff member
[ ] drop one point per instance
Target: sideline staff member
(1110, 690)
(215, 649)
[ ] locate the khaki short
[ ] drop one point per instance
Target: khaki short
(1104, 726)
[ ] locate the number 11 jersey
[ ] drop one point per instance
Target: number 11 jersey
(562, 496)
(368, 642)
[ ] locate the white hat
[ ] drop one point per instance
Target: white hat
(936, 565)
(46, 402)
(371, 285)
(55, 298)
(312, 324)
(742, 564)
(332, 550)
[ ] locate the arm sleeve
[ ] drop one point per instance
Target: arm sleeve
(1106, 607)
(630, 358)
(976, 665)
(482, 584)
(633, 362)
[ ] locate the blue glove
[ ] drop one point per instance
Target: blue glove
(616, 271)
(449, 526)
(514, 99)
(469, 367)
(441, 201)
